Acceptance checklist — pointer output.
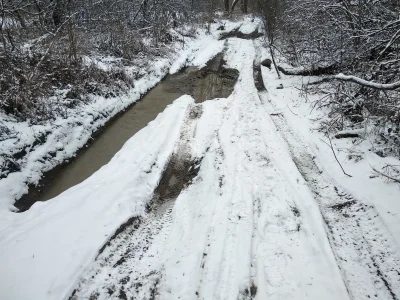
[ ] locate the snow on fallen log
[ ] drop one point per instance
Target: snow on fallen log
(349, 134)
(301, 71)
(374, 85)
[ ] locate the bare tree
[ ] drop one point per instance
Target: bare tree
(42, 41)
(271, 12)
(226, 3)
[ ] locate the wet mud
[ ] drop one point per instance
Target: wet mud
(236, 33)
(212, 81)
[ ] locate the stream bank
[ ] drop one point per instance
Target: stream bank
(212, 81)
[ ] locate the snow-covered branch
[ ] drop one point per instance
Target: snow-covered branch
(360, 81)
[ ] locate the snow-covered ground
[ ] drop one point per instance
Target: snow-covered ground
(361, 212)
(264, 213)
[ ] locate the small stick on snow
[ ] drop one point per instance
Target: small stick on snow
(292, 111)
(331, 146)
(385, 175)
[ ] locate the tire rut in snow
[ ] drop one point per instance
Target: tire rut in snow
(113, 274)
(258, 81)
(257, 75)
(365, 251)
(127, 266)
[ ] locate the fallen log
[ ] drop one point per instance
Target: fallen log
(329, 70)
(345, 135)
(341, 77)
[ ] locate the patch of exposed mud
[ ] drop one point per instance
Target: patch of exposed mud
(181, 168)
(177, 176)
(212, 81)
(238, 34)
(248, 293)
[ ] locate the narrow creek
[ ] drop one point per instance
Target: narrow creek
(210, 82)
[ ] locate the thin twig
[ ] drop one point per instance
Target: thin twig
(385, 175)
(331, 146)
(292, 111)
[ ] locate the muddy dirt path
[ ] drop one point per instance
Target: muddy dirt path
(255, 208)
(133, 241)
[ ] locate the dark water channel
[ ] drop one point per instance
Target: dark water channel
(213, 81)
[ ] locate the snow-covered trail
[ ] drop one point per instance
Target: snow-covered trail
(217, 200)
(247, 227)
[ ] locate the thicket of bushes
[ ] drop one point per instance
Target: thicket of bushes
(42, 43)
(354, 37)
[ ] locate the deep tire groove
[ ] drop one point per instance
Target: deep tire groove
(348, 226)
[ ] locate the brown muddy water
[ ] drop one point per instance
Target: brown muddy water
(213, 81)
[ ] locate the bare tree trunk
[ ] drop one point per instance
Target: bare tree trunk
(59, 12)
(273, 60)
(72, 42)
(3, 39)
(3, 18)
(226, 5)
(233, 5)
(20, 19)
(144, 11)
(244, 6)
(269, 10)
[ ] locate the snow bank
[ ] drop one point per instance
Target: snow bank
(45, 248)
(251, 25)
(201, 51)
(207, 53)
